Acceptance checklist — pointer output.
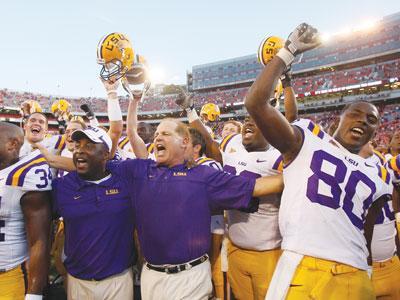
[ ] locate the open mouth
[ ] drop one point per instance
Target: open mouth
(35, 130)
(248, 132)
(81, 162)
(160, 149)
(357, 131)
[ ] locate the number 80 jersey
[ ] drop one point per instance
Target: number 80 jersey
(32, 173)
(327, 193)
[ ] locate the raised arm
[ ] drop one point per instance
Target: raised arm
(37, 214)
(137, 143)
(291, 111)
(273, 125)
(114, 114)
(212, 147)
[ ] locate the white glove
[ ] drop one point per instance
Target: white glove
(303, 38)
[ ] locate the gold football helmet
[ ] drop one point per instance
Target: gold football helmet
(115, 54)
(61, 109)
(268, 49)
(210, 112)
(29, 107)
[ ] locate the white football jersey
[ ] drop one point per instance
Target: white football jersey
(327, 193)
(259, 230)
(55, 144)
(383, 244)
(31, 173)
(217, 218)
(205, 161)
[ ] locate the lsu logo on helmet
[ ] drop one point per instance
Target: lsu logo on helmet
(115, 54)
(210, 112)
(268, 49)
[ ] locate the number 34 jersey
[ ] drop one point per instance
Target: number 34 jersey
(327, 194)
(31, 173)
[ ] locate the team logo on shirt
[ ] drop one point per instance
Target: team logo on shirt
(112, 192)
(180, 174)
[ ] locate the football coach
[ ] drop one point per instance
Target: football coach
(172, 200)
(99, 224)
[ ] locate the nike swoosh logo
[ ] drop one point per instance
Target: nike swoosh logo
(260, 161)
(368, 165)
(77, 197)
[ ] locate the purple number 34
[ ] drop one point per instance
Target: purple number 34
(333, 181)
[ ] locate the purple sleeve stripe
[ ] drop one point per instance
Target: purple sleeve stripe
(277, 163)
(320, 134)
(12, 173)
(59, 141)
(24, 172)
(311, 126)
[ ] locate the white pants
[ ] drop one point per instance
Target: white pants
(193, 284)
(118, 287)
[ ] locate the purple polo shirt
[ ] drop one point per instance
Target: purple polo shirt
(99, 225)
(173, 206)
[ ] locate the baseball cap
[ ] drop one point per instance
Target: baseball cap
(95, 134)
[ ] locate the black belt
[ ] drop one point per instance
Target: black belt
(178, 268)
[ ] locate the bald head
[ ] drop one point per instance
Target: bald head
(11, 140)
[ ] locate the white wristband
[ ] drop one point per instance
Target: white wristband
(397, 217)
(192, 115)
(114, 110)
(33, 297)
(286, 56)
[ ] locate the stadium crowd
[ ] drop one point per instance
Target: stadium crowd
(271, 206)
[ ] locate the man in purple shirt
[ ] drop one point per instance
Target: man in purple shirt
(172, 201)
(99, 224)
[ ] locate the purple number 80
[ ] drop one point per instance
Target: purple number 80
(334, 181)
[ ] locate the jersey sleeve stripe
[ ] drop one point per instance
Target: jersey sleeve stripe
(203, 160)
(60, 142)
(226, 141)
(383, 173)
(316, 130)
(380, 156)
(123, 142)
(17, 176)
(150, 148)
(394, 163)
(21, 178)
(278, 165)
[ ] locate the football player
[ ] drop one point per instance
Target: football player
(254, 247)
(231, 127)
(385, 244)
(394, 146)
(24, 217)
(331, 197)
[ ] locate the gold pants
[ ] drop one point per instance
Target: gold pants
(250, 272)
(386, 279)
(12, 284)
(324, 279)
